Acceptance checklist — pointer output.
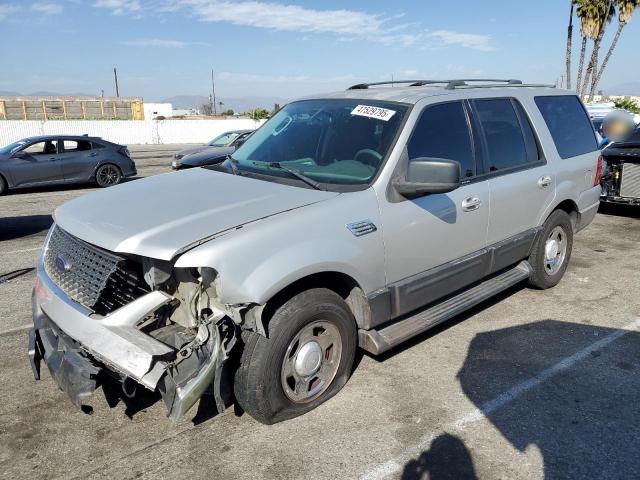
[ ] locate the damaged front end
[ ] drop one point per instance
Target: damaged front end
(140, 321)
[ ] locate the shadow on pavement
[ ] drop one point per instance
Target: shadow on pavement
(7, 277)
(19, 227)
(583, 417)
(620, 210)
(447, 458)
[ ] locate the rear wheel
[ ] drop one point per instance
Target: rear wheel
(551, 251)
(3, 185)
(306, 360)
(108, 175)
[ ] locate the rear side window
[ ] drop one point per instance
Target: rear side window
(76, 145)
(443, 132)
(569, 124)
(505, 140)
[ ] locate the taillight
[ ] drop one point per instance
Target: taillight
(596, 180)
(125, 151)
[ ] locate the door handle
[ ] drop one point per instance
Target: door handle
(52, 159)
(544, 182)
(93, 154)
(470, 204)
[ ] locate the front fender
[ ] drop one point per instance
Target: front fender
(260, 259)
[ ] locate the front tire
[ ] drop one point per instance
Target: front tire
(108, 175)
(3, 185)
(551, 251)
(306, 360)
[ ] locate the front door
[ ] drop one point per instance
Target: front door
(36, 163)
(434, 244)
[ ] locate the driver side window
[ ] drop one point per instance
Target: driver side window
(442, 131)
(48, 147)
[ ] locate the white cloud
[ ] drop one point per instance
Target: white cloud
(278, 16)
(467, 40)
(47, 8)
(8, 9)
(119, 7)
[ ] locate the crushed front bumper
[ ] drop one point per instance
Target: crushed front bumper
(79, 349)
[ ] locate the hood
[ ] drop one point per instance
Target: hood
(188, 151)
(161, 216)
(207, 156)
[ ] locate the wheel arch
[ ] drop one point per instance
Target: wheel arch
(571, 208)
(340, 283)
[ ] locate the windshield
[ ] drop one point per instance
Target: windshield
(11, 147)
(329, 141)
(223, 140)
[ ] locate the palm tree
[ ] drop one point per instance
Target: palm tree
(625, 12)
(569, 44)
(586, 12)
(605, 11)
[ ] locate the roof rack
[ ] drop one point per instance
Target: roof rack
(451, 84)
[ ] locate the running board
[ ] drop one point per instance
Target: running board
(379, 341)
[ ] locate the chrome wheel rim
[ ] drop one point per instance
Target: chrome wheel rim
(311, 361)
(108, 175)
(555, 250)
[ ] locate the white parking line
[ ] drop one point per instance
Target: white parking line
(15, 330)
(11, 252)
(395, 465)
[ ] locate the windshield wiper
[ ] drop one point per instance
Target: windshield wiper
(299, 175)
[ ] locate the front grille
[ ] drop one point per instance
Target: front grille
(99, 280)
(630, 183)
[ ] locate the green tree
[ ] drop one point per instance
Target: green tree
(569, 43)
(605, 11)
(626, 8)
(586, 11)
(627, 104)
(258, 113)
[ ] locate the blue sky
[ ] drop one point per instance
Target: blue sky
(284, 48)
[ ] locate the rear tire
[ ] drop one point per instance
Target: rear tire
(3, 185)
(551, 251)
(306, 360)
(108, 175)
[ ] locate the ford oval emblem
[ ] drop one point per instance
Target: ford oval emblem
(62, 264)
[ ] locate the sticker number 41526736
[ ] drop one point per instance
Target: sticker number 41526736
(373, 112)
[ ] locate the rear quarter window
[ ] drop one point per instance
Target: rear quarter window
(569, 125)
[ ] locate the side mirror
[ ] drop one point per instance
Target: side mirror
(428, 175)
(19, 154)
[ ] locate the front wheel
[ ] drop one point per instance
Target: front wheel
(108, 175)
(3, 185)
(306, 359)
(551, 251)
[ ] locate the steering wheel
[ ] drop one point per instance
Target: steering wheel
(371, 157)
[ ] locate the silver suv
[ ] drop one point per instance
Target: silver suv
(356, 219)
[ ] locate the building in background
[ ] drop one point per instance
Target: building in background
(71, 108)
(155, 110)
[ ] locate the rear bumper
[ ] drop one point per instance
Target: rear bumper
(588, 207)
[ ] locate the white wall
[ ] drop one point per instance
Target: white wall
(126, 131)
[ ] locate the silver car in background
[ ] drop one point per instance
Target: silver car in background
(352, 220)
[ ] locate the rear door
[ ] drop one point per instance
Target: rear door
(78, 159)
(37, 163)
(520, 180)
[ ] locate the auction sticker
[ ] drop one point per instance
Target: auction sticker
(373, 112)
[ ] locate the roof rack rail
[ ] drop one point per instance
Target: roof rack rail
(452, 84)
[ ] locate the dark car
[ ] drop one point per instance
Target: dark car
(63, 159)
(621, 177)
(213, 152)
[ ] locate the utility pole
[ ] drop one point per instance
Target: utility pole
(115, 76)
(213, 91)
